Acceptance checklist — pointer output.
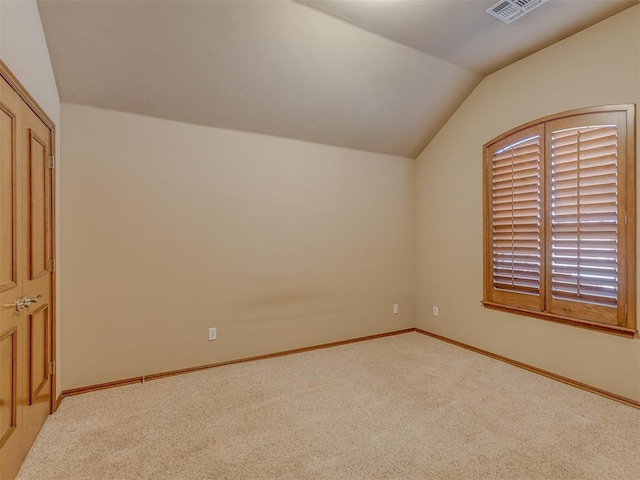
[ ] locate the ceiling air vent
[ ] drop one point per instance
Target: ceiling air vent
(510, 10)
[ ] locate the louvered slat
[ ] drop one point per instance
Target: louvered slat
(584, 215)
(516, 217)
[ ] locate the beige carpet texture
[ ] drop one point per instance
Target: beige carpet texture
(400, 407)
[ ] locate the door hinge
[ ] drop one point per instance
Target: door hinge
(52, 162)
(52, 265)
(52, 368)
(626, 219)
(626, 309)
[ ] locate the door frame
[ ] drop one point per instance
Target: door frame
(26, 97)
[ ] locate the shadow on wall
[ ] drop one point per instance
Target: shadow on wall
(282, 307)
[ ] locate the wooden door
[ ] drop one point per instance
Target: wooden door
(11, 266)
(37, 272)
(26, 239)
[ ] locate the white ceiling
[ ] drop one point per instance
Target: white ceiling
(282, 68)
(460, 32)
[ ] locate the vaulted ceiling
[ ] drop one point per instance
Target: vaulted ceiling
(376, 75)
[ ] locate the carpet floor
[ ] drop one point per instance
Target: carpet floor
(401, 407)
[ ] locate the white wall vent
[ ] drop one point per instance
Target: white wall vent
(510, 10)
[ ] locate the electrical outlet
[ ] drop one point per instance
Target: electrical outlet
(395, 308)
(435, 311)
(212, 333)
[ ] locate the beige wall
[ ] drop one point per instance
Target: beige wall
(169, 228)
(23, 49)
(598, 66)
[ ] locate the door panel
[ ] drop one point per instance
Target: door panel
(8, 250)
(38, 214)
(8, 384)
(38, 353)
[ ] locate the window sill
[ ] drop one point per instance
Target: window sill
(599, 327)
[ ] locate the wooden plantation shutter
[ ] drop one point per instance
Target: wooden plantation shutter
(584, 221)
(560, 219)
(516, 217)
(515, 192)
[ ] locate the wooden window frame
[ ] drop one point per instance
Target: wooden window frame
(626, 325)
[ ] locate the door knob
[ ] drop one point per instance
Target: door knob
(19, 304)
(24, 302)
(27, 301)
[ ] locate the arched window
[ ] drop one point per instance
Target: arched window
(560, 211)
